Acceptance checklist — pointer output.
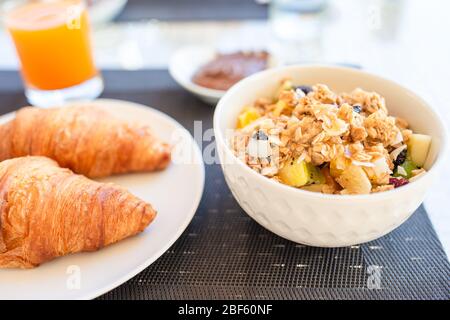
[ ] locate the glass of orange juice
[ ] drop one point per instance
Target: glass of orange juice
(52, 39)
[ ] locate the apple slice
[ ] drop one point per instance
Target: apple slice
(418, 147)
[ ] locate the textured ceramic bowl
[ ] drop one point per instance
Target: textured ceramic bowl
(319, 219)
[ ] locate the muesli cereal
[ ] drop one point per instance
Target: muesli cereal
(312, 138)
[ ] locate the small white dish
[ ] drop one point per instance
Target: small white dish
(183, 65)
(187, 60)
(101, 271)
(320, 219)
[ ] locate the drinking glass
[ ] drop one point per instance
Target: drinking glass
(297, 29)
(52, 40)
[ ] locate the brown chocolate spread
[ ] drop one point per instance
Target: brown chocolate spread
(227, 69)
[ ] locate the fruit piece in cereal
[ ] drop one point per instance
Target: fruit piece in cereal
(295, 173)
(354, 180)
(338, 164)
(247, 116)
(315, 174)
(405, 169)
(398, 182)
(300, 173)
(418, 146)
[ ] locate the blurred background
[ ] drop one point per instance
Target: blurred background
(402, 38)
(405, 40)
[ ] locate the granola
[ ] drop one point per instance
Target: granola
(312, 138)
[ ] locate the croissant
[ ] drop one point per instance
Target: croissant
(47, 212)
(89, 140)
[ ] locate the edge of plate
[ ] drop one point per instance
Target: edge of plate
(188, 220)
(96, 293)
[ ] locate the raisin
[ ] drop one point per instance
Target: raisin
(401, 158)
(305, 89)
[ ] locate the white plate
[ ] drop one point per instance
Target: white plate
(175, 193)
(185, 62)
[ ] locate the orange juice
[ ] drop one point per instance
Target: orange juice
(53, 44)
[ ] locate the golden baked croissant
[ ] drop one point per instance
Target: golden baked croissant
(86, 139)
(47, 212)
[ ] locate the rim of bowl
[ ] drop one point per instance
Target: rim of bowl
(188, 84)
(296, 191)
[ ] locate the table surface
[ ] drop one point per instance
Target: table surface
(224, 254)
(401, 40)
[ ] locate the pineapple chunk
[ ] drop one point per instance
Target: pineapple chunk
(300, 173)
(354, 180)
(315, 175)
(418, 147)
(295, 173)
(249, 115)
(338, 165)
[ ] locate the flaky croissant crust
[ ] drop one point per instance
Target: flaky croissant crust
(86, 139)
(47, 211)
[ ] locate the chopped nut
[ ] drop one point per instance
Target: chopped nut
(406, 133)
(358, 133)
(401, 123)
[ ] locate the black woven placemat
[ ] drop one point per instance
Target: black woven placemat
(224, 254)
(192, 10)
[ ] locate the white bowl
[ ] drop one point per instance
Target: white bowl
(314, 218)
(183, 65)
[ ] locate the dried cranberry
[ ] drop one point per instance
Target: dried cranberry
(398, 182)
